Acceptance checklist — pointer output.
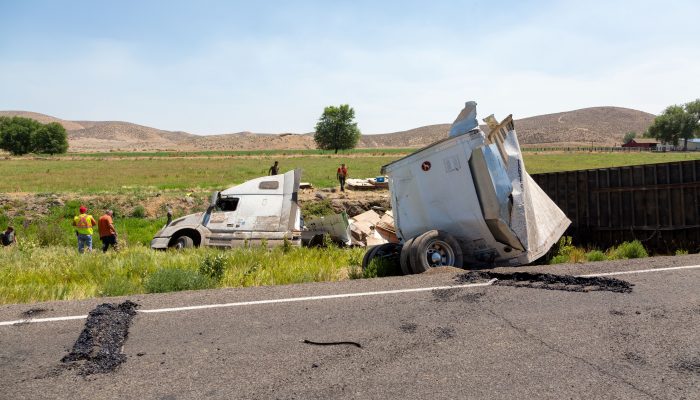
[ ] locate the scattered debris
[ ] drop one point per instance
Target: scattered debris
(99, 344)
(409, 327)
(33, 312)
(377, 183)
(550, 282)
(331, 343)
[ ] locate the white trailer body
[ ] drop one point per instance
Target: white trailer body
(475, 188)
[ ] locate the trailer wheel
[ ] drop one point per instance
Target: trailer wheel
(390, 253)
(405, 258)
(369, 254)
(183, 242)
(435, 249)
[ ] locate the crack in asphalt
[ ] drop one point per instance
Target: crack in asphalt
(580, 359)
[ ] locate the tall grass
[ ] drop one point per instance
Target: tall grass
(30, 273)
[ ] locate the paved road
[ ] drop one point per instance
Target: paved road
(467, 342)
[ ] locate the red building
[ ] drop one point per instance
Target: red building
(643, 143)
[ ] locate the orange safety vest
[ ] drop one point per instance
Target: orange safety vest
(83, 224)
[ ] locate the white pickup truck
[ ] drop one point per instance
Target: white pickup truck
(467, 201)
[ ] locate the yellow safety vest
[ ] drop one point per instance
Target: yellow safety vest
(83, 224)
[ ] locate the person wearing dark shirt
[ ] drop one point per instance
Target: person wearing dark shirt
(274, 170)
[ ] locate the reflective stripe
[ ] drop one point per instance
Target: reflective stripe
(83, 224)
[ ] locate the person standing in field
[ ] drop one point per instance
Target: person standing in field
(83, 224)
(274, 169)
(108, 235)
(342, 175)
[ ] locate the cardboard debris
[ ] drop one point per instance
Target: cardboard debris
(367, 183)
(370, 229)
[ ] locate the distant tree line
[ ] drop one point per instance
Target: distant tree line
(677, 123)
(20, 135)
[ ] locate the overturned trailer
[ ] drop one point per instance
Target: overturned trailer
(467, 201)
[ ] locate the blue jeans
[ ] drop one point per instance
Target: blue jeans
(84, 240)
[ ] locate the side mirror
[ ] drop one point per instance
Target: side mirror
(214, 198)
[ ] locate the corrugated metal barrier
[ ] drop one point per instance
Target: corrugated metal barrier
(658, 204)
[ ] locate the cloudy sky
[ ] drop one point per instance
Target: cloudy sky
(210, 67)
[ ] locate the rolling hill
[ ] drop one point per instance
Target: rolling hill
(601, 126)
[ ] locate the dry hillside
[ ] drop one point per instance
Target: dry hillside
(602, 126)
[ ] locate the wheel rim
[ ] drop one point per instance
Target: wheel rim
(440, 254)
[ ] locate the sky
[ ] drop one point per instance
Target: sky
(214, 67)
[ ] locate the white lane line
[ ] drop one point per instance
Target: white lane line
(259, 302)
(640, 271)
(32, 320)
(309, 298)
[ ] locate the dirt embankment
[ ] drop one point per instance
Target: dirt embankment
(35, 206)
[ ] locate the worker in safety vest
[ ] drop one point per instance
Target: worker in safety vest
(83, 224)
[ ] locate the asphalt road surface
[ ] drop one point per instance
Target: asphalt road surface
(487, 341)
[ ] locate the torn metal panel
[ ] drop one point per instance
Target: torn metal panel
(336, 225)
(476, 189)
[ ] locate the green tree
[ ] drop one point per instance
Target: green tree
(694, 109)
(50, 139)
(16, 134)
(674, 124)
(629, 136)
(336, 130)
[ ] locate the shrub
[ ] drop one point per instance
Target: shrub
(565, 252)
(595, 255)
(119, 286)
(626, 250)
(355, 266)
(173, 280)
(50, 234)
(139, 212)
(681, 252)
(380, 267)
(213, 266)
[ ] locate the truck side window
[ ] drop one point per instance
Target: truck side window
(229, 204)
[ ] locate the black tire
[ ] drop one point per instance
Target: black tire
(435, 249)
(390, 253)
(369, 254)
(405, 259)
(183, 242)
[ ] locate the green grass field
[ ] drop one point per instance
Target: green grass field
(46, 266)
(124, 175)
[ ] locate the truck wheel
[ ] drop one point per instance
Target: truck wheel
(369, 254)
(183, 242)
(405, 258)
(389, 253)
(435, 249)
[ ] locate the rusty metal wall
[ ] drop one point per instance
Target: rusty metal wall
(658, 204)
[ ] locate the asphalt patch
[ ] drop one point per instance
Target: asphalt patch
(98, 348)
(567, 283)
